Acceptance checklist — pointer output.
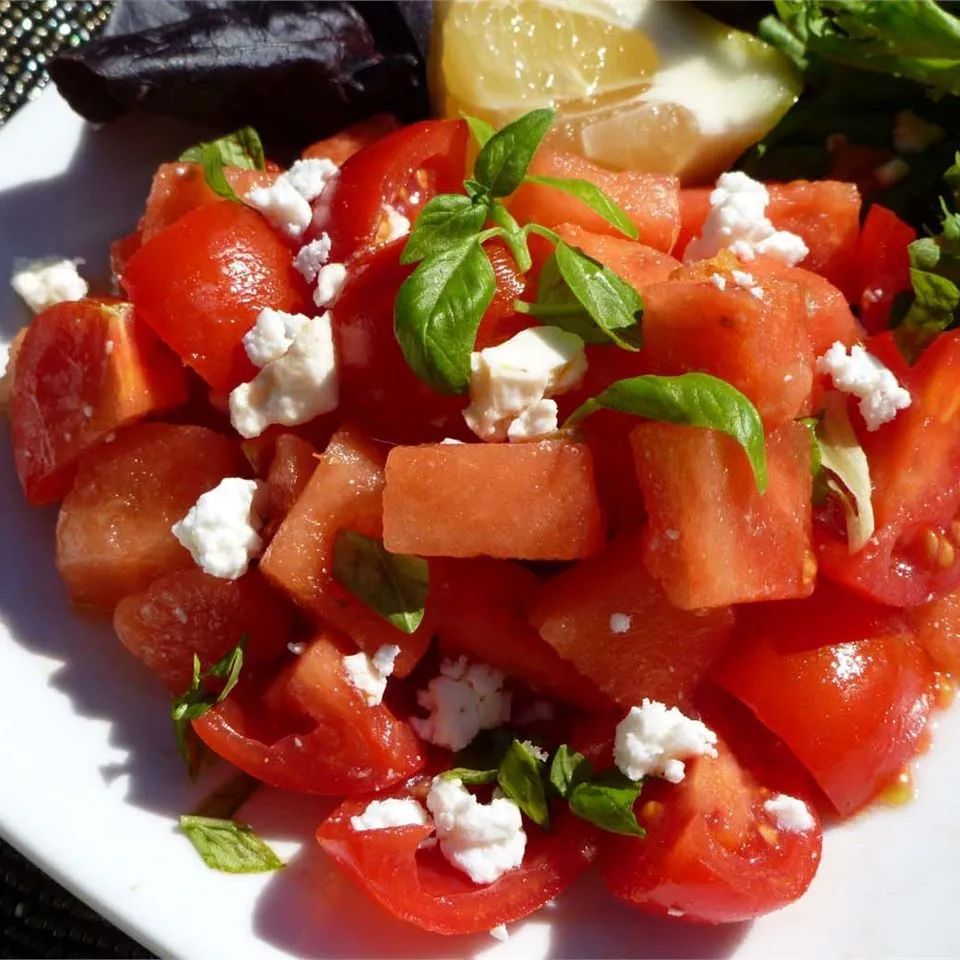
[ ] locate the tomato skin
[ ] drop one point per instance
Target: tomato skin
(709, 853)
(310, 730)
(915, 469)
(201, 282)
(883, 265)
(405, 169)
(840, 680)
(421, 888)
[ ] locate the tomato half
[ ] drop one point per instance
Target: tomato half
(712, 854)
(420, 887)
(914, 555)
(883, 265)
(840, 680)
(403, 169)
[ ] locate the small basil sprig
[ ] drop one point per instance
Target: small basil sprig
(605, 800)
(393, 585)
(440, 305)
(691, 399)
(229, 845)
(196, 701)
(242, 149)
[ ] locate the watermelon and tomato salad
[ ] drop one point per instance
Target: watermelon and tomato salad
(677, 535)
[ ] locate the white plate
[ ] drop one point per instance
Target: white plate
(90, 782)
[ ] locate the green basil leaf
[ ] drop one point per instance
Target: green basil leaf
(214, 174)
(438, 310)
(446, 220)
(513, 235)
(242, 148)
(567, 769)
(693, 400)
(607, 802)
(228, 845)
(520, 778)
(394, 585)
(503, 161)
(470, 777)
(590, 194)
(612, 304)
(481, 130)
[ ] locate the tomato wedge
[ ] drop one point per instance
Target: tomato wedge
(420, 887)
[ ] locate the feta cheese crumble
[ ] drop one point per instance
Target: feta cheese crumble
(718, 280)
(500, 932)
(309, 176)
(222, 529)
(272, 335)
(862, 375)
(620, 622)
(654, 740)
(484, 840)
(913, 134)
(392, 812)
(44, 283)
(790, 814)
(738, 220)
(284, 207)
(535, 422)
(397, 225)
(462, 701)
(370, 674)
(294, 388)
(330, 281)
(509, 382)
(312, 256)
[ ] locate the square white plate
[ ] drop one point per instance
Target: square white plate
(90, 781)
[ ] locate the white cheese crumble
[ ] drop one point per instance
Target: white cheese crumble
(718, 280)
(296, 647)
(44, 283)
(462, 701)
(861, 374)
(654, 740)
(309, 176)
(222, 529)
(535, 422)
(515, 376)
(484, 840)
(790, 814)
(271, 336)
(370, 674)
(312, 256)
(738, 220)
(284, 207)
(620, 622)
(913, 134)
(296, 387)
(392, 812)
(500, 932)
(397, 224)
(330, 281)
(538, 753)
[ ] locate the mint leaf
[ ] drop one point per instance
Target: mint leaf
(607, 802)
(691, 399)
(394, 585)
(470, 777)
(445, 221)
(481, 130)
(590, 194)
(438, 310)
(242, 148)
(567, 769)
(228, 845)
(503, 161)
(196, 701)
(520, 777)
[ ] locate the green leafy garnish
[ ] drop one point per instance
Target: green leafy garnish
(567, 769)
(242, 149)
(394, 585)
(590, 194)
(196, 701)
(480, 129)
(520, 777)
(446, 221)
(228, 845)
(691, 399)
(470, 777)
(503, 160)
(607, 802)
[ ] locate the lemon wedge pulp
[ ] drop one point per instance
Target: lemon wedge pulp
(640, 84)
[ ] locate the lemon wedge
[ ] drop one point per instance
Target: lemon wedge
(639, 84)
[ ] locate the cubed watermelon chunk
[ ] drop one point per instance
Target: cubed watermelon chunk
(113, 532)
(713, 539)
(294, 460)
(529, 501)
